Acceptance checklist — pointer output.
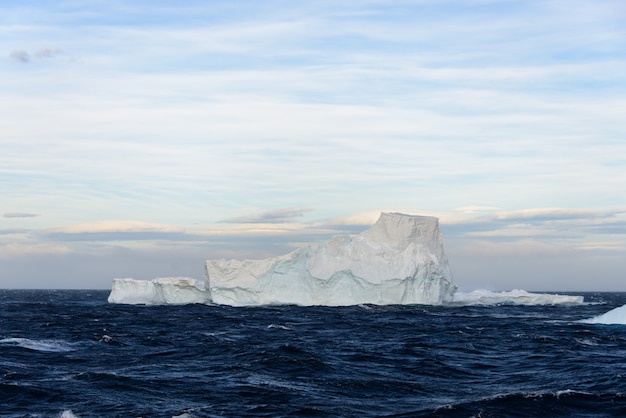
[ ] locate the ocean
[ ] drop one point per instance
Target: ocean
(68, 353)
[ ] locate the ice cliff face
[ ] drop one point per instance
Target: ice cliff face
(162, 291)
(399, 260)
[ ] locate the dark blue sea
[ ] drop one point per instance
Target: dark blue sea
(71, 354)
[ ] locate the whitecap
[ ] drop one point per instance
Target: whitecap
(283, 327)
(570, 392)
(50, 346)
(586, 341)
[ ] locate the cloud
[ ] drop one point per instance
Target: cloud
(24, 57)
(120, 236)
(24, 250)
(602, 246)
(476, 208)
(244, 235)
(115, 230)
(519, 248)
(565, 224)
(515, 230)
(283, 215)
(20, 215)
(48, 52)
(20, 56)
(114, 226)
(14, 231)
(185, 115)
(556, 214)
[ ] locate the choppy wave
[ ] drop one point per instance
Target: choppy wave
(72, 354)
(527, 404)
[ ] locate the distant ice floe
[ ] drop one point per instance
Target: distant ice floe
(513, 297)
(160, 291)
(615, 316)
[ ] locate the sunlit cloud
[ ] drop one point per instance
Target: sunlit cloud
(113, 226)
(603, 246)
(476, 208)
(23, 250)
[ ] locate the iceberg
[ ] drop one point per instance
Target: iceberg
(399, 260)
(514, 297)
(160, 291)
(615, 316)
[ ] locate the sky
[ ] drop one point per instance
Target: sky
(139, 138)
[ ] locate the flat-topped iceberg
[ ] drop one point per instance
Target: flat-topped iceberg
(399, 260)
(161, 291)
(514, 297)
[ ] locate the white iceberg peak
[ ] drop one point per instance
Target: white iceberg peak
(399, 260)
